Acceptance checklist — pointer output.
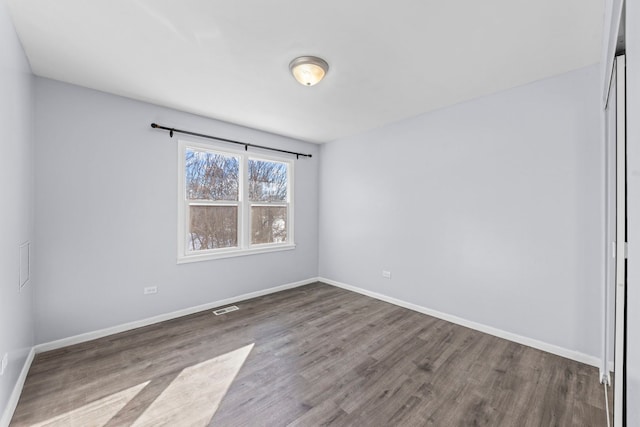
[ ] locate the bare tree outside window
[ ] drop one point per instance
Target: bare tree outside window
(267, 181)
(213, 227)
(212, 177)
(268, 224)
(268, 187)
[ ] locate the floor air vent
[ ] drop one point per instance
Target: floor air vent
(225, 310)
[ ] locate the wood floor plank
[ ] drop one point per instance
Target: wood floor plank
(313, 355)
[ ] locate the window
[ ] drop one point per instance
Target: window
(268, 188)
(232, 203)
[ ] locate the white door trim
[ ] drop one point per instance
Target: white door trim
(621, 242)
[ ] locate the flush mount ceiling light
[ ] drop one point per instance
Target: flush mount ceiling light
(308, 70)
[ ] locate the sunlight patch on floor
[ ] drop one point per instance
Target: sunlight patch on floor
(195, 395)
(192, 398)
(96, 413)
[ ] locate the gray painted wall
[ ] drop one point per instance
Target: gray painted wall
(633, 211)
(106, 220)
(425, 198)
(16, 207)
(491, 210)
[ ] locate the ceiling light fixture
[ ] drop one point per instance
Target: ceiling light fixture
(308, 70)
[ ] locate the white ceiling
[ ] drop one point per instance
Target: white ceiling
(228, 59)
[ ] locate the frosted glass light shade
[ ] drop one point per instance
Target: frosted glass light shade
(308, 70)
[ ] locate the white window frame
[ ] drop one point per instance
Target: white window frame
(244, 206)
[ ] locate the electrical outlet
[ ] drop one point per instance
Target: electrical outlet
(150, 290)
(5, 362)
(386, 274)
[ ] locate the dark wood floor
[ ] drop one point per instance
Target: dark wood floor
(314, 355)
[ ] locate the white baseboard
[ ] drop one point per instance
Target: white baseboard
(530, 342)
(77, 339)
(17, 390)
(605, 377)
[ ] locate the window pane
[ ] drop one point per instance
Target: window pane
(268, 224)
(267, 181)
(212, 227)
(211, 176)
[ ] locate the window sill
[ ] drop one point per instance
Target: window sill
(231, 253)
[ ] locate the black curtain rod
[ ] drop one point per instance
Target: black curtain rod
(246, 144)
